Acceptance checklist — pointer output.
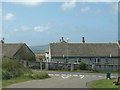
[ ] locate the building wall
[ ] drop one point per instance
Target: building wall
(103, 64)
(25, 54)
(87, 60)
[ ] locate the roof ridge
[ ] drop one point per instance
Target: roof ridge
(12, 43)
(83, 43)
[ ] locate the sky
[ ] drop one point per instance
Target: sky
(41, 23)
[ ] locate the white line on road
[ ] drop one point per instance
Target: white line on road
(82, 76)
(75, 75)
(56, 74)
(50, 74)
(63, 74)
(113, 76)
(64, 77)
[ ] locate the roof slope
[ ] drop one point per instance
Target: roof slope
(10, 49)
(83, 49)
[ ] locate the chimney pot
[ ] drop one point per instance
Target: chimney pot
(83, 40)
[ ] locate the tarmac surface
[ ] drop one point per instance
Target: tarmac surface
(62, 80)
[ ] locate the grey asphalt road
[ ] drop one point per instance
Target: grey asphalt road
(62, 80)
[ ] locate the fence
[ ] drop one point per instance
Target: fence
(68, 66)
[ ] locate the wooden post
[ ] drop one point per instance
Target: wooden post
(72, 66)
(118, 80)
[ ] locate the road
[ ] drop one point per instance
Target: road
(62, 80)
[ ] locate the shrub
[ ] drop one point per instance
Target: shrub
(82, 66)
(11, 68)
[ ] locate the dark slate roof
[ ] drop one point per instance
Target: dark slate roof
(83, 49)
(10, 49)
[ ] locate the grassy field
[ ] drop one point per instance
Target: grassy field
(103, 83)
(35, 76)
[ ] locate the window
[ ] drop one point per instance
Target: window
(78, 60)
(98, 60)
(95, 60)
(107, 61)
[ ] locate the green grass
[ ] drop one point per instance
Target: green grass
(0, 84)
(81, 71)
(12, 68)
(6, 83)
(103, 83)
(35, 76)
(14, 72)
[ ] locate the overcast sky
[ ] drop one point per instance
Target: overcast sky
(41, 23)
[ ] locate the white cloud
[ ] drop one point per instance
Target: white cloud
(98, 11)
(24, 28)
(15, 30)
(41, 28)
(9, 16)
(68, 5)
(85, 9)
(31, 3)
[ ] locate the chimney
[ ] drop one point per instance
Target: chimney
(83, 40)
(2, 41)
(62, 39)
(59, 40)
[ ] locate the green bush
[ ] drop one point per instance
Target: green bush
(12, 68)
(82, 66)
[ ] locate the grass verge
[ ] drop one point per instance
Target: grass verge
(28, 77)
(103, 83)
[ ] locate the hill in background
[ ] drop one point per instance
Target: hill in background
(39, 49)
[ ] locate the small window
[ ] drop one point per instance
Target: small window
(98, 60)
(95, 60)
(107, 61)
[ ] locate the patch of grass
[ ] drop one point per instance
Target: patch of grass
(6, 83)
(27, 77)
(103, 83)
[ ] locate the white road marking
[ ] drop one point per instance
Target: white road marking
(64, 77)
(69, 75)
(56, 74)
(63, 74)
(82, 76)
(75, 75)
(113, 76)
(50, 74)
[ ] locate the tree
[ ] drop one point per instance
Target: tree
(82, 66)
